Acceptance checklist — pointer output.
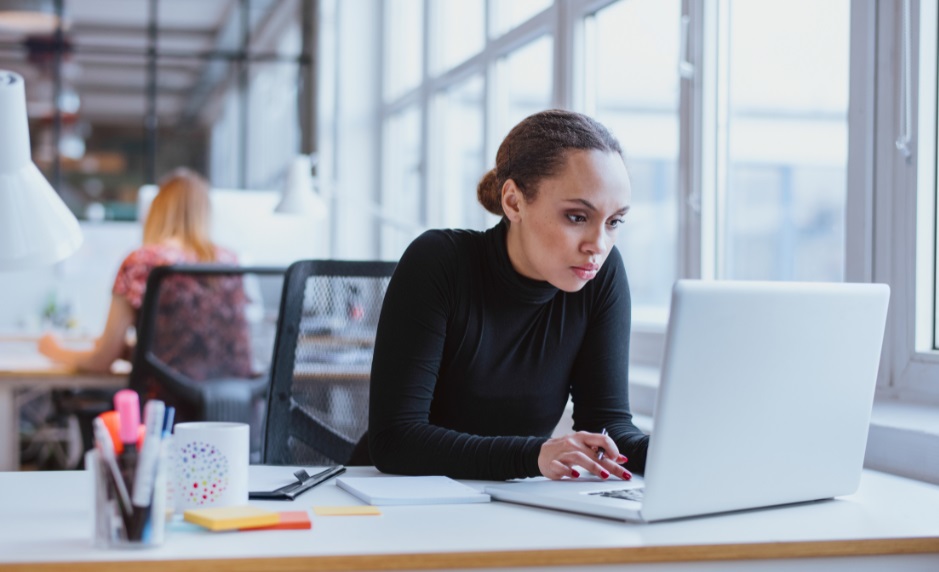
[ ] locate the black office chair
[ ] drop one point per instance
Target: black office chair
(318, 401)
(205, 339)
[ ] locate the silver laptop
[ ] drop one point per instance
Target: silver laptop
(765, 399)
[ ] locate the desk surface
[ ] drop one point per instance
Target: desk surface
(19, 358)
(24, 370)
(46, 520)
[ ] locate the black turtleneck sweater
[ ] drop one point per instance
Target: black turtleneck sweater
(474, 363)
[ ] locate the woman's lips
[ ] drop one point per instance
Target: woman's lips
(587, 272)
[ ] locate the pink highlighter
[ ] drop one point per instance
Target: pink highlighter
(127, 404)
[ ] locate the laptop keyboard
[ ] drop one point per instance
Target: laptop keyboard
(634, 494)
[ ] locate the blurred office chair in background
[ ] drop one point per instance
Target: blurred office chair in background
(318, 402)
(205, 339)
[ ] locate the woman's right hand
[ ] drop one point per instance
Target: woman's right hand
(560, 455)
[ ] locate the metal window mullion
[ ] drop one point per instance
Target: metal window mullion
(564, 61)
(428, 203)
(703, 117)
(381, 119)
(583, 8)
(859, 195)
(924, 111)
(690, 125)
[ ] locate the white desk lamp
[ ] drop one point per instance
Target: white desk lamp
(36, 228)
(299, 197)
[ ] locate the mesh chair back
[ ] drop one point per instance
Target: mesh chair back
(205, 341)
(318, 404)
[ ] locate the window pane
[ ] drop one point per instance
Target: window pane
(401, 188)
(459, 31)
(636, 95)
(788, 135)
(458, 135)
(273, 137)
(525, 83)
(509, 14)
(404, 31)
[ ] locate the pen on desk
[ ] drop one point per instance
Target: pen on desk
(127, 404)
(600, 450)
(153, 534)
(168, 421)
(106, 450)
(113, 423)
(145, 473)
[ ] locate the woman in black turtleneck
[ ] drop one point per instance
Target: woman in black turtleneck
(484, 335)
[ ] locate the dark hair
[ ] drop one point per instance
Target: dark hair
(536, 149)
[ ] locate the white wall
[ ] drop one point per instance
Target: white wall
(243, 221)
(84, 280)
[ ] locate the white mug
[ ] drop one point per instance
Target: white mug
(211, 464)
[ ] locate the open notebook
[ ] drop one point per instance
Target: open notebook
(410, 490)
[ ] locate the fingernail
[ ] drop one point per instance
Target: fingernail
(626, 475)
(604, 475)
(574, 474)
(622, 459)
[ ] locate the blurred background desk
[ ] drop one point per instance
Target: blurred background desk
(25, 374)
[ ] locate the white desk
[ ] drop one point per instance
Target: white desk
(45, 523)
(24, 369)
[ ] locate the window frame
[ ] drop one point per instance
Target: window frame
(904, 206)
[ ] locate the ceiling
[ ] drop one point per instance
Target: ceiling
(197, 43)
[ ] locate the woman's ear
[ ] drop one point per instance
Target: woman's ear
(511, 200)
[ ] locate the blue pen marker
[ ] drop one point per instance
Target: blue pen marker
(168, 421)
(158, 508)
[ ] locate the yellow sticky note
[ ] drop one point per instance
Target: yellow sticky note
(231, 518)
(366, 510)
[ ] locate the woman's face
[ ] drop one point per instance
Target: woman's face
(565, 234)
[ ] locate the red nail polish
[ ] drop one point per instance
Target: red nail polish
(574, 474)
(626, 475)
(622, 459)
(604, 475)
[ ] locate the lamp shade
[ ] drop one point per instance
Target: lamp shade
(299, 197)
(28, 16)
(36, 227)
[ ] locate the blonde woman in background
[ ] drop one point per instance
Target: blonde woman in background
(176, 232)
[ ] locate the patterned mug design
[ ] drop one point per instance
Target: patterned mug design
(203, 474)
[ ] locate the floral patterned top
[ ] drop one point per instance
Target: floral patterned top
(200, 330)
(131, 280)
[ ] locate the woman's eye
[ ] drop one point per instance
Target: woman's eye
(576, 218)
(615, 223)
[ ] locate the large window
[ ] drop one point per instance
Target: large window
(754, 133)
(787, 99)
(750, 184)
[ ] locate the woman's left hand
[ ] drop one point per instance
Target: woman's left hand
(560, 455)
(49, 346)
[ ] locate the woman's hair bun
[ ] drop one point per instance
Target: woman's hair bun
(488, 193)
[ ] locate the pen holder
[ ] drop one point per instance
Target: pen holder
(118, 521)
